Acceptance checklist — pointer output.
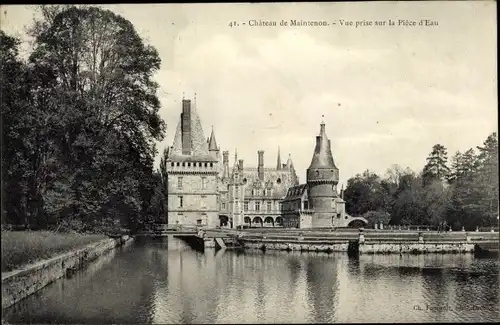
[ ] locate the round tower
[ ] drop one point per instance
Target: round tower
(322, 180)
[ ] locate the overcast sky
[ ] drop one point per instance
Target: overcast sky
(388, 94)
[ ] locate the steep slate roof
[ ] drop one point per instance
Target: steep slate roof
(212, 143)
(277, 180)
(199, 145)
(322, 157)
(295, 192)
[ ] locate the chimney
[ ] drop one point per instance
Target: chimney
(240, 164)
(225, 164)
(260, 168)
(186, 126)
(278, 164)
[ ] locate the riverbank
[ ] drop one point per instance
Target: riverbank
(28, 279)
(20, 248)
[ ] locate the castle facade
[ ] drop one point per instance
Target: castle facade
(203, 189)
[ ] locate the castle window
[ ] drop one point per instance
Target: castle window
(179, 183)
(211, 164)
(223, 206)
(189, 164)
(237, 190)
(181, 201)
(171, 164)
(269, 207)
(205, 164)
(257, 206)
(244, 180)
(338, 215)
(203, 183)
(278, 181)
(306, 205)
(236, 206)
(245, 206)
(183, 164)
(178, 164)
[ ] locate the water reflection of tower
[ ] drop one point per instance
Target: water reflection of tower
(322, 284)
(294, 266)
(261, 289)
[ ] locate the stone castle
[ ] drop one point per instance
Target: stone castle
(204, 190)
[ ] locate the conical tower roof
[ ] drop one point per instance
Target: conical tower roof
(212, 145)
(322, 157)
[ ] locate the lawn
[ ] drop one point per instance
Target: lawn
(24, 247)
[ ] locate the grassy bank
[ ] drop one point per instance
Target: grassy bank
(24, 247)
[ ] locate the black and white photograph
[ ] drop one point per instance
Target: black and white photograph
(250, 163)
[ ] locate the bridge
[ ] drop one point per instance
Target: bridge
(226, 237)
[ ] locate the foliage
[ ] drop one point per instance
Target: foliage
(462, 194)
(81, 119)
(377, 217)
(436, 168)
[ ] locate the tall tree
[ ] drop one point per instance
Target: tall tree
(487, 178)
(436, 167)
(95, 120)
(17, 125)
(365, 193)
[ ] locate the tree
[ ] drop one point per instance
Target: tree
(464, 208)
(487, 178)
(377, 217)
(436, 167)
(365, 193)
(17, 124)
(164, 181)
(93, 120)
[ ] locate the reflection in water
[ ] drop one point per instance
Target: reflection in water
(167, 282)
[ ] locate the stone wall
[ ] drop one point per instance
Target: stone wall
(297, 245)
(416, 248)
(387, 246)
(18, 284)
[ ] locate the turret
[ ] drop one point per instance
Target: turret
(289, 162)
(212, 145)
(322, 180)
(322, 167)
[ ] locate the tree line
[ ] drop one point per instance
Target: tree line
(80, 120)
(458, 192)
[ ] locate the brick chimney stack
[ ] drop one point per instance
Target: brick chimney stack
(260, 168)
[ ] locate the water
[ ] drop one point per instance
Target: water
(167, 282)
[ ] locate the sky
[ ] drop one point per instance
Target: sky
(387, 94)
